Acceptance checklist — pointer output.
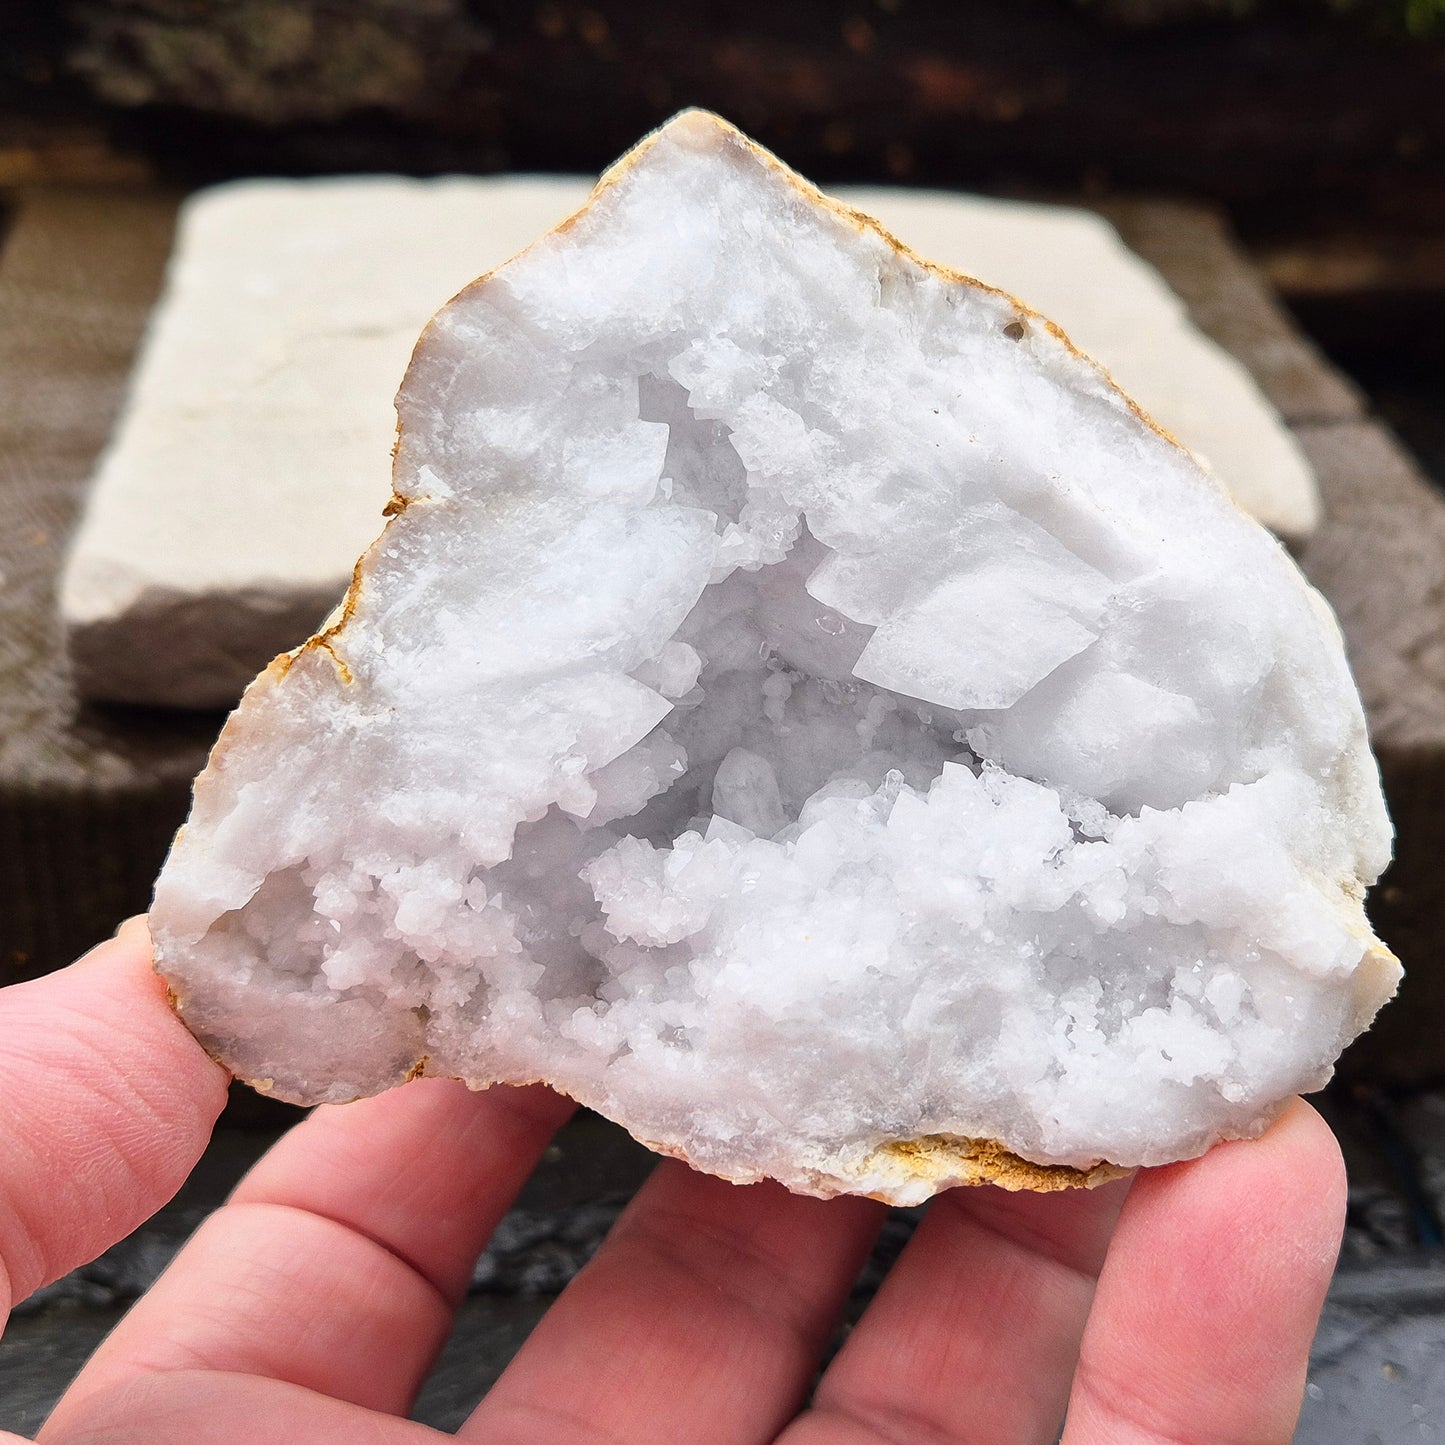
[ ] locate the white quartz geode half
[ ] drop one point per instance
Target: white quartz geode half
(801, 709)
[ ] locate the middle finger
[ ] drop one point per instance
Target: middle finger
(701, 1318)
(975, 1332)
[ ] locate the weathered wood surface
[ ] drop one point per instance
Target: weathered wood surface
(1285, 109)
(89, 797)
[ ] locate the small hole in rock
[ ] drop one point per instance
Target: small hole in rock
(1015, 330)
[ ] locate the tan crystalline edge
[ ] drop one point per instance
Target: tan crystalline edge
(897, 1171)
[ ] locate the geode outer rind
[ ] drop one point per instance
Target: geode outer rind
(989, 779)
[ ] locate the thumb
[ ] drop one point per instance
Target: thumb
(106, 1103)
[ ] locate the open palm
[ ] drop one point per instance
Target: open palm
(309, 1309)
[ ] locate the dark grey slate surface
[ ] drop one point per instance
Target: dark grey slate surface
(1377, 1375)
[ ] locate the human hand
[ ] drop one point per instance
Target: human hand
(309, 1308)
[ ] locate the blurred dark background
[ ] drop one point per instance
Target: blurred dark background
(1318, 124)
(1291, 112)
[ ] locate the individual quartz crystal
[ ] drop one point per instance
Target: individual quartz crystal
(801, 709)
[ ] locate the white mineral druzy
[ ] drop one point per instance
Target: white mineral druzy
(804, 711)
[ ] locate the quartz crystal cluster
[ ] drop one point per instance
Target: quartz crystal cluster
(801, 709)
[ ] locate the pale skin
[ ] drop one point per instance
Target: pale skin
(310, 1307)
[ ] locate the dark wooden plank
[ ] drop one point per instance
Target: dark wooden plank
(88, 798)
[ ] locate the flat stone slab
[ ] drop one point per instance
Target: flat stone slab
(252, 461)
(1230, 301)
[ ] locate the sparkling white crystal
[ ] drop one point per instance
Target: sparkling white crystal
(800, 708)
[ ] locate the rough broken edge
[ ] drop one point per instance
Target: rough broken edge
(933, 1161)
(901, 1171)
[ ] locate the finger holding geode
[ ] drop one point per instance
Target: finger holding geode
(801, 709)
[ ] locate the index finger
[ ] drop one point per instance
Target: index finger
(106, 1103)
